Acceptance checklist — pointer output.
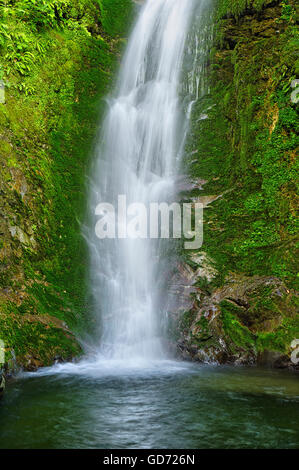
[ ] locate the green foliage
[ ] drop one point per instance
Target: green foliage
(237, 7)
(33, 339)
(236, 332)
(115, 15)
(261, 234)
(26, 28)
(277, 340)
(246, 150)
(280, 339)
(59, 62)
(40, 13)
(288, 11)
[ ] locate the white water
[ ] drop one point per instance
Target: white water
(139, 157)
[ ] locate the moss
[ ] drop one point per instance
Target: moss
(237, 333)
(115, 15)
(203, 335)
(277, 340)
(280, 339)
(238, 7)
(187, 319)
(58, 59)
(246, 149)
(33, 339)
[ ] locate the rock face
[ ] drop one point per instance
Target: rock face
(243, 284)
(248, 320)
(53, 91)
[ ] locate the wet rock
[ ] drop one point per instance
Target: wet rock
(273, 359)
(204, 266)
(227, 324)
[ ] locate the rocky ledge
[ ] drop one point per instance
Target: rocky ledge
(249, 320)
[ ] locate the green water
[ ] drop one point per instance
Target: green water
(177, 406)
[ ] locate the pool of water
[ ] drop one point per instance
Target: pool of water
(168, 405)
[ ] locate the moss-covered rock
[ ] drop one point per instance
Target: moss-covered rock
(244, 151)
(58, 59)
(241, 321)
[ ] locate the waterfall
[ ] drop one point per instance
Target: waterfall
(138, 156)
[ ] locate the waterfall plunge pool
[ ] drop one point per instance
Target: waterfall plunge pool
(168, 405)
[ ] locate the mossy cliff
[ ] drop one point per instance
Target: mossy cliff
(242, 150)
(58, 59)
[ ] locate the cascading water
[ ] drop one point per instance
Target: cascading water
(139, 157)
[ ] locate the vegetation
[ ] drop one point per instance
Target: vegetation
(57, 58)
(248, 147)
(238, 7)
(57, 61)
(246, 151)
